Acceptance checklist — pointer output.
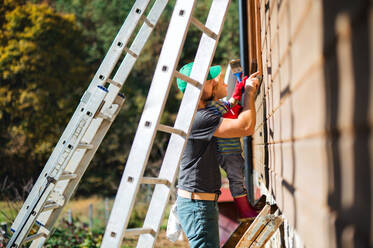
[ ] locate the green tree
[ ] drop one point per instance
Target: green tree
(99, 20)
(42, 75)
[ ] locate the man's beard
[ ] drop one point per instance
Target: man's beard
(206, 98)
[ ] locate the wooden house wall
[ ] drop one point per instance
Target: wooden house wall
(312, 146)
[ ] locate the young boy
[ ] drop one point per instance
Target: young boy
(229, 149)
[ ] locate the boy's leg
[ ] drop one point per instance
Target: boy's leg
(233, 164)
(199, 220)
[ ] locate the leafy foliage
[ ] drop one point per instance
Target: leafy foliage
(75, 235)
(41, 74)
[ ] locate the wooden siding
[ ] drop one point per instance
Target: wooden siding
(312, 145)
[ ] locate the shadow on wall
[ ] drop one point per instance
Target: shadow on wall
(347, 71)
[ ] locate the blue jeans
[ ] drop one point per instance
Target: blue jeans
(199, 220)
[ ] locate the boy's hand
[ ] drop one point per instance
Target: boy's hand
(238, 89)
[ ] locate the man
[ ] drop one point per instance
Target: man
(199, 177)
(229, 150)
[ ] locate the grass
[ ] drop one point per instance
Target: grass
(79, 235)
(9, 210)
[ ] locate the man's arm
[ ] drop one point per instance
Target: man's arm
(245, 123)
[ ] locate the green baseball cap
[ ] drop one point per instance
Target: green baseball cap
(187, 69)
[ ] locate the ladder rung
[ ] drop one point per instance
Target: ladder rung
(139, 231)
(188, 79)
(106, 117)
(110, 81)
(85, 146)
(147, 21)
(168, 129)
(155, 180)
(130, 52)
(51, 206)
(203, 28)
(35, 236)
(67, 176)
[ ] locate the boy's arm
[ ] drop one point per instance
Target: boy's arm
(238, 91)
(233, 101)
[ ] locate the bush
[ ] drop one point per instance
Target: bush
(75, 235)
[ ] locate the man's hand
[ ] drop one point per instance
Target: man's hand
(252, 83)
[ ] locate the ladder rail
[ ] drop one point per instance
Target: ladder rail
(149, 121)
(184, 120)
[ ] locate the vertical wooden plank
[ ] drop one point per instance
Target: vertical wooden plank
(263, 20)
(345, 123)
(258, 37)
(252, 35)
(273, 41)
(370, 25)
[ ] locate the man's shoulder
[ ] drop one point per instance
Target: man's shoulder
(207, 112)
(207, 116)
(217, 103)
(217, 107)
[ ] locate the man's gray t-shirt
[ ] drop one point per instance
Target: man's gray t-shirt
(199, 168)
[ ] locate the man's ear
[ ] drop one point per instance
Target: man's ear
(208, 90)
(214, 84)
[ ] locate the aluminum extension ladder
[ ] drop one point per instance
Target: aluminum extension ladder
(149, 124)
(90, 122)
